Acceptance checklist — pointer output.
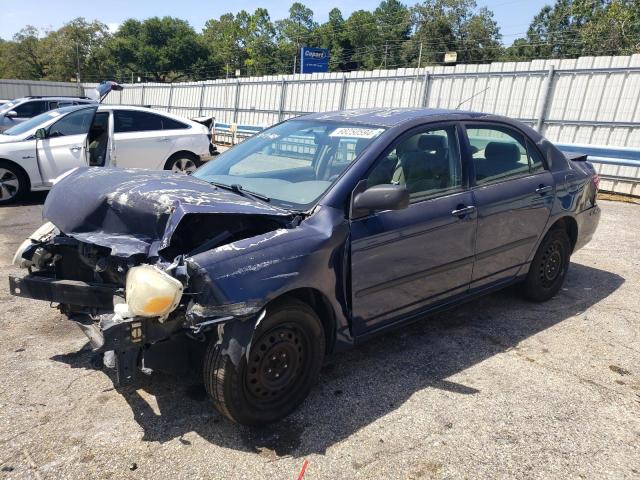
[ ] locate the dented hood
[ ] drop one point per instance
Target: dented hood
(131, 210)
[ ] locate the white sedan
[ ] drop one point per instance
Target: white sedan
(34, 153)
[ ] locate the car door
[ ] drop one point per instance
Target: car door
(514, 194)
(138, 140)
(64, 147)
(407, 260)
(99, 140)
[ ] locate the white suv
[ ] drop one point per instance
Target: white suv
(21, 109)
(36, 152)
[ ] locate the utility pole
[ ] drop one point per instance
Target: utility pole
(78, 77)
(420, 55)
(386, 47)
(295, 59)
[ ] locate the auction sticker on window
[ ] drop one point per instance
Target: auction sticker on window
(354, 132)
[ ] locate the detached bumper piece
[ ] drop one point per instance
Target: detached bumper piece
(124, 338)
(69, 292)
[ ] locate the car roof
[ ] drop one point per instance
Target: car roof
(128, 107)
(53, 97)
(389, 117)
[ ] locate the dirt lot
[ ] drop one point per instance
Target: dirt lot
(494, 389)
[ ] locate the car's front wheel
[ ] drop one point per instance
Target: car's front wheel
(14, 184)
(183, 163)
(283, 365)
(549, 266)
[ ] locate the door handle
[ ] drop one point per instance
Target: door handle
(75, 148)
(544, 189)
(462, 211)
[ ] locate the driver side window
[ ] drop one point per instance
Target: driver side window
(427, 163)
(75, 123)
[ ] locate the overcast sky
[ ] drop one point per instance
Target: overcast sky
(513, 16)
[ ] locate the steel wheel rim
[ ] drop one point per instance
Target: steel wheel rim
(9, 184)
(275, 364)
(184, 165)
(551, 266)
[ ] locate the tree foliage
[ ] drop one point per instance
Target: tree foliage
(392, 35)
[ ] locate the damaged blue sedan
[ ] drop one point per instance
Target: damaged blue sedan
(304, 240)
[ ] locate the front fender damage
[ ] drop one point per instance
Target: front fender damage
(235, 336)
(233, 285)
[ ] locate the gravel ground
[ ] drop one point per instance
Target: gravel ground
(498, 388)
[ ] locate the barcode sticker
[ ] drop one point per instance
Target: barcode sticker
(353, 132)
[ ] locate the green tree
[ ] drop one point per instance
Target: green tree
(331, 35)
(226, 42)
(455, 25)
(362, 32)
(77, 43)
(393, 24)
(28, 58)
(294, 32)
(259, 43)
(571, 28)
(157, 49)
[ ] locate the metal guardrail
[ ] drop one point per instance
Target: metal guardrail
(233, 132)
(618, 167)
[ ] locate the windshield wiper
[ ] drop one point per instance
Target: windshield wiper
(237, 188)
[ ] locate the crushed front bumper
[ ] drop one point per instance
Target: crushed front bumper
(107, 332)
(67, 292)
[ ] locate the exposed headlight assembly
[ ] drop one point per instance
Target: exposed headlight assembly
(42, 234)
(150, 292)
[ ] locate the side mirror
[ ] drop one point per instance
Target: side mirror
(11, 114)
(382, 197)
(40, 134)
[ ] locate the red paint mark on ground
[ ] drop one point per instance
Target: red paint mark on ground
(303, 469)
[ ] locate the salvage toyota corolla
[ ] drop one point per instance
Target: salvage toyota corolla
(306, 239)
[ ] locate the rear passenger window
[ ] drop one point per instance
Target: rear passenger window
(135, 121)
(31, 109)
(427, 163)
(171, 124)
(499, 152)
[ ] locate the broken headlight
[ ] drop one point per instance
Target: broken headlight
(42, 234)
(150, 292)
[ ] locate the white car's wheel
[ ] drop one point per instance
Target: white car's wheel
(13, 183)
(183, 163)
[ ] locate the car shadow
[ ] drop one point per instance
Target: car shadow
(364, 384)
(32, 198)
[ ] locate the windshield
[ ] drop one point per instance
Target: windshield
(7, 107)
(293, 163)
(38, 120)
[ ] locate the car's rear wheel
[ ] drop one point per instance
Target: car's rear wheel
(549, 266)
(283, 365)
(183, 163)
(14, 184)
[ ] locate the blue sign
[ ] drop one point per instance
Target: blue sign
(314, 60)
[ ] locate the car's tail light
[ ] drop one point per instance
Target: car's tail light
(596, 181)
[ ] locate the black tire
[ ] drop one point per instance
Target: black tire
(549, 266)
(178, 161)
(286, 355)
(14, 183)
